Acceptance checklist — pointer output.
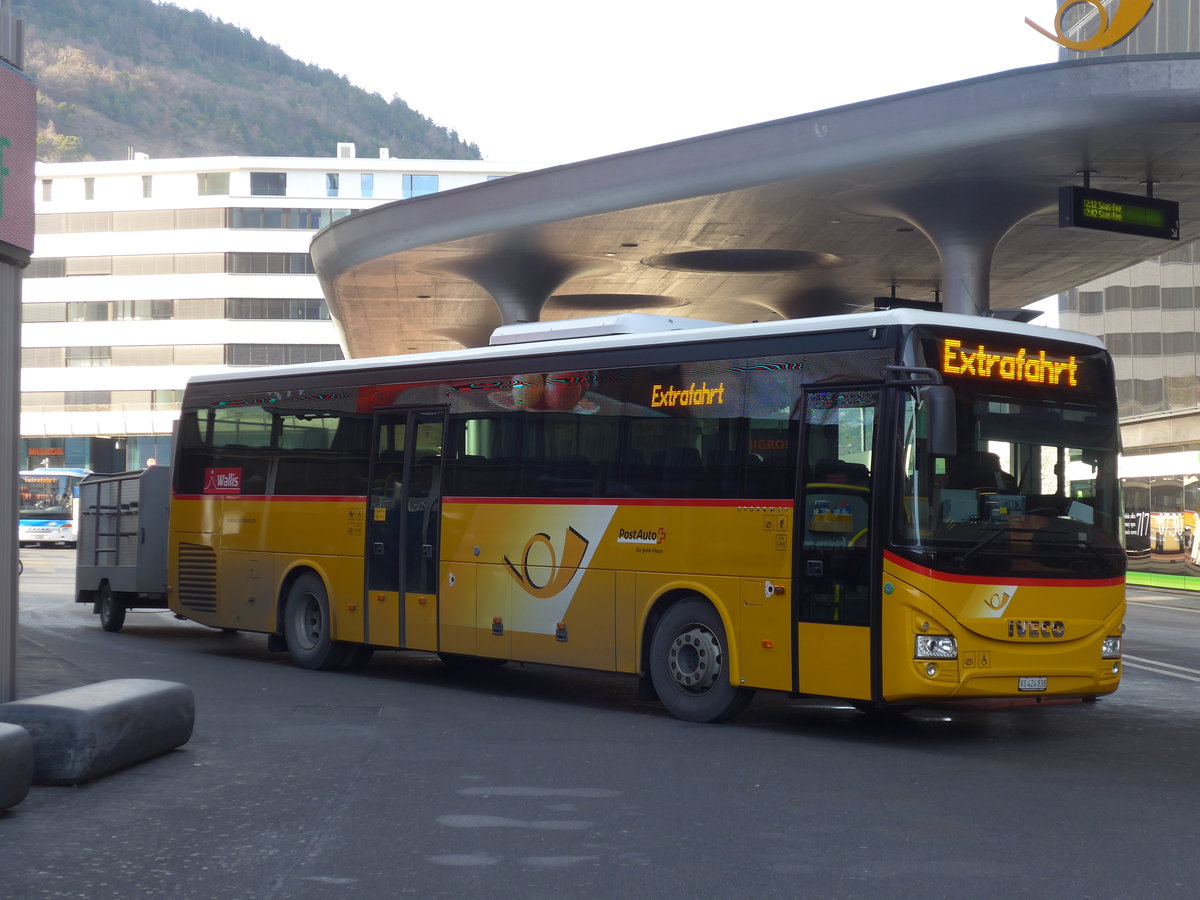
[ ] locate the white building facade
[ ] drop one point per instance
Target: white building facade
(148, 271)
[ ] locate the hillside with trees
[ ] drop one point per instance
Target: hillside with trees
(130, 74)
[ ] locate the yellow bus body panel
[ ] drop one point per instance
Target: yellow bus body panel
(835, 660)
(572, 583)
(257, 544)
(990, 661)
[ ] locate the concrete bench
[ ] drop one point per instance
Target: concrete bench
(16, 764)
(86, 732)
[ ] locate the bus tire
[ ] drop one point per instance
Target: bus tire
(689, 664)
(111, 609)
(306, 625)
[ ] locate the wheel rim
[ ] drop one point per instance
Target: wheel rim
(309, 625)
(694, 659)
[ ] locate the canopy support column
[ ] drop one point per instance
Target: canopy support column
(965, 222)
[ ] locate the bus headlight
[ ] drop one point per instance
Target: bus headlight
(1112, 648)
(936, 646)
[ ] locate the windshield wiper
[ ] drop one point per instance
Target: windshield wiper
(979, 545)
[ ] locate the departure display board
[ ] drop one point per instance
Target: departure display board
(1080, 207)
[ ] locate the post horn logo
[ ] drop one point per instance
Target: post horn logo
(574, 546)
(1111, 31)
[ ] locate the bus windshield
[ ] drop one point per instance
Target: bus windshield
(47, 495)
(1031, 491)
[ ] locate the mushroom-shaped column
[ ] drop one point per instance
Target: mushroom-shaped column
(965, 221)
(519, 279)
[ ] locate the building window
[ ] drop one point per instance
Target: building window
(1119, 343)
(280, 354)
(269, 264)
(43, 312)
(53, 267)
(40, 401)
(212, 184)
(140, 310)
(143, 220)
(1147, 394)
(91, 311)
(268, 184)
(263, 308)
(1179, 343)
(46, 189)
(199, 355)
(87, 399)
(43, 357)
(88, 357)
(1147, 343)
(367, 184)
(257, 217)
(89, 188)
(418, 185)
(142, 356)
(1177, 298)
(166, 400)
(331, 184)
(89, 265)
(1116, 297)
(147, 186)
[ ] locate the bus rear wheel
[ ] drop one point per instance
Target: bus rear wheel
(306, 626)
(689, 664)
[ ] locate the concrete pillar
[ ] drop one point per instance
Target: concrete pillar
(10, 386)
(965, 221)
(18, 116)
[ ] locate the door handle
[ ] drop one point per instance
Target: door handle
(427, 551)
(377, 548)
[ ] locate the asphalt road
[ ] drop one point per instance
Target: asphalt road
(537, 782)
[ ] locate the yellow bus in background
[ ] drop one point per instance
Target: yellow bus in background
(873, 507)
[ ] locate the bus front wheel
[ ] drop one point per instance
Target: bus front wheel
(689, 664)
(307, 628)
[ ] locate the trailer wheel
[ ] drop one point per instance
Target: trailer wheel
(112, 609)
(306, 626)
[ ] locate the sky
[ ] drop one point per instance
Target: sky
(532, 81)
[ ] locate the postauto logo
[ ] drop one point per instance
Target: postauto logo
(1111, 30)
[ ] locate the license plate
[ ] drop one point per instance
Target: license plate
(1031, 684)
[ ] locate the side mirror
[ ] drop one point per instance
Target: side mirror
(943, 431)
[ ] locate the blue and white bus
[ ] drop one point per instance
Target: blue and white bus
(49, 506)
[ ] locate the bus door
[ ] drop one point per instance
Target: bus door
(833, 557)
(402, 533)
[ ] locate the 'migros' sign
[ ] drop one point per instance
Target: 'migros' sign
(18, 147)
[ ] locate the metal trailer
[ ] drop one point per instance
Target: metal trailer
(121, 560)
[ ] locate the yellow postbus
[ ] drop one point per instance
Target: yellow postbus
(888, 508)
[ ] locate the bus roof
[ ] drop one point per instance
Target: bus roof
(711, 332)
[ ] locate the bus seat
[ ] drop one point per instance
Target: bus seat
(978, 470)
(679, 470)
(836, 471)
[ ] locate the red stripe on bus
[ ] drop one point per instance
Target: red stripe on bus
(515, 501)
(994, 579)
(278, 498)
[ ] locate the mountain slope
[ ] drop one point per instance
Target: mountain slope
(130, 74)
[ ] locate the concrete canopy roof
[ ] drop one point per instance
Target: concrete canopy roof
(810, 215)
